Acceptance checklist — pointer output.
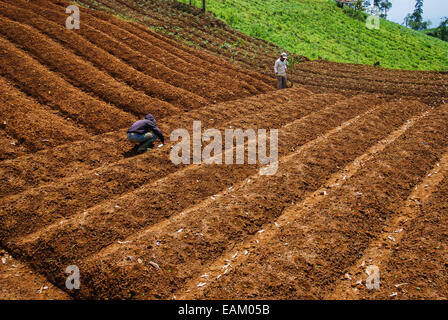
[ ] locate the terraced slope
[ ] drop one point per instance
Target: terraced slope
(181, 22)
(129, 220)
(67, 97)
(100, 78)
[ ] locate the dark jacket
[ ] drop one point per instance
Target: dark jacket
(147, 125)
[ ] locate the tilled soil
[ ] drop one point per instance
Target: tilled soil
(314, 248)
(361, 177)
(19, 282)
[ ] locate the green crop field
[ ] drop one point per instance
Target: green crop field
(318, 28)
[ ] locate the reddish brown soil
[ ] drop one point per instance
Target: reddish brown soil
(78, 72)
(362, 157)
(100, 58)
(19, 282)
(162, 63)
(411, 251)
(305, 257)
(420, 260)
(10, 147)
(193, 28)
(34, 124)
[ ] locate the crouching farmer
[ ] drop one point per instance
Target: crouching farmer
(145, 132)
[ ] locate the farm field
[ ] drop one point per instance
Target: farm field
(361, 181)
(320, 76)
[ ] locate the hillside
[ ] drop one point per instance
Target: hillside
(316, 28)
(186, 24)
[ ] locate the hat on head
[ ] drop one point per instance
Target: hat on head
(284, 55)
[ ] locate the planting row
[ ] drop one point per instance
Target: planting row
(300, 128)
(50, 89)
(75, 158)
(188, 242)
(409, 252)
(113, 65)
(306, 257)
(222, 88)
(366, 71)
(79, 73)
(34, 125)
(433, 79)
(420, 258)
(206, 32)
(189, 55)
(433, 95)
(64, 197)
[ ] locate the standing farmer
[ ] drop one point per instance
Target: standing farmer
(280, 69)
(146, 132)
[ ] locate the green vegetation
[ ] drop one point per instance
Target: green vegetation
(318, 28)
(440, 32)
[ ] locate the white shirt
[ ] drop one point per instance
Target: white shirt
(280, 67)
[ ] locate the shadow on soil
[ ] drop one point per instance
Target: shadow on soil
(131, 153)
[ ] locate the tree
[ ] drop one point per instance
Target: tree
(418, 12)
(415, 20)
(408, 20)
(358, 9)
(441, 31)
(382, 5)
(444, 29)
(385, 6)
